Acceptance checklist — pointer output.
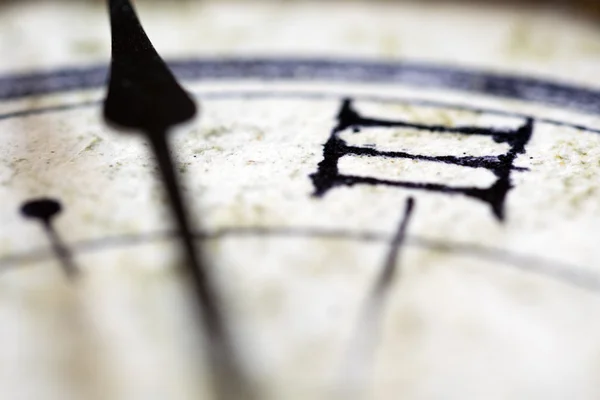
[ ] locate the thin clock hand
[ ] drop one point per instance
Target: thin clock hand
(143, 95)
(45, 210)
(357, 365)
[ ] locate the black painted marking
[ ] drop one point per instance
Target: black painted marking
(420, 75)
(44, 211)
(328, 175)
(366, 336)
(143, 95)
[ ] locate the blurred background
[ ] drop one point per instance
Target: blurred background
(558, 39)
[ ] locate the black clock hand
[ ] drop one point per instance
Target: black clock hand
(45, 210)
(143, 95)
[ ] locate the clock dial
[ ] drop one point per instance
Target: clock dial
(400, 201)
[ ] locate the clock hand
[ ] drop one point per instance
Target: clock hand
(143, 95)
(357, 365)
(45, 210)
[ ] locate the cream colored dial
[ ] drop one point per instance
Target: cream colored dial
(319, 124)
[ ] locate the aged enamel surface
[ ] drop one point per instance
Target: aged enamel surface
(480, 309)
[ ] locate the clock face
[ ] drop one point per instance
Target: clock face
(386, 212)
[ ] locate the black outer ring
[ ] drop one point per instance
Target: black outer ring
(562, 95)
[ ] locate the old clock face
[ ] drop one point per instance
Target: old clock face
(394, 200)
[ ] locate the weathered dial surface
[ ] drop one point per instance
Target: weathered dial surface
(464, 140)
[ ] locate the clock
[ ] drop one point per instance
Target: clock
(370, 200)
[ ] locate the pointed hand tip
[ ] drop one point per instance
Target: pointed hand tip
(143, 93)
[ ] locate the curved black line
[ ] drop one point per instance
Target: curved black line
(48, 110)
(419, 75)
(569, 274)
(260, 94)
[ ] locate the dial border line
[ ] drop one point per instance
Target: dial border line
(566, 273)
(311, 95)
(383, 99)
